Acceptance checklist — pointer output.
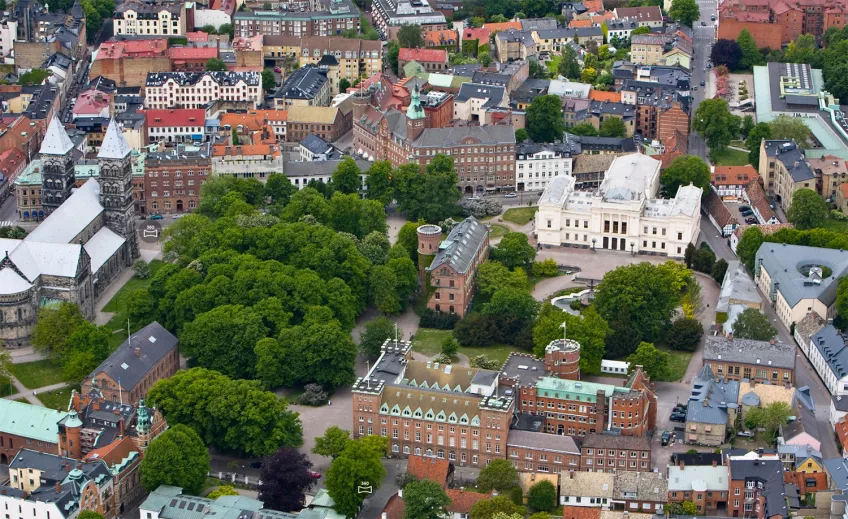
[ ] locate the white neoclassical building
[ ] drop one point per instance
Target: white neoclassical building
(537, 164)
(623, 214)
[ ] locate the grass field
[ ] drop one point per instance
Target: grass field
(520, 215)
(429, 342)
(57, 399)
(835, 225)
(118, 304)
(730, 157)
(498, 230)
(37, 374)
(6, 387)
(678, 362)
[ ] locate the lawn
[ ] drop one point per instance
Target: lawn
(6, 387)
(498, 230)
(678, 362)
(520, 215)
(429, 342)
(58, 398)
(118, 304)
(37, 374)
(729, 157)
(553, 65)
(836, 225)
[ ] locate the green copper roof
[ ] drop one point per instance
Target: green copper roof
(86, 171)
(31, 175)
(30, 421)
(574, 389)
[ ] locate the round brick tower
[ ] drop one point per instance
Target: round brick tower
(562, 359)
(429, 238)
(361, 100)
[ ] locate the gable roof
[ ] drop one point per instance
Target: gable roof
(460, 248)
(56, 140)
(746, 351)
(758, 199)
(70, 218)
(733, 175)
(592, 484)
(30, 421)
(429, 467)
(114, 146)
(463, 500)
(153, 342)
(580, 512)
(711, 398)
(423, 55)
(720, 213)
(770, 473)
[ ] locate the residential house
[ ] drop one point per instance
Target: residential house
(462, 501)
(828, 355)
(329, 123)
(586, 489)
(196, 90)
(390, 16)
(719, 215)
(542, 452)
(443, 39)
(661, 49)
(784, 169)
(257, 161)
(314, 148)
(328, 19)
(730, 181)
(711, 409)
(704, 485)
(600, 111)
(432, 60)
(804, 467)
(639, 491)
(194, 163)
(437, 470)
(793, 279)
(766, 229)
(146, 357)
(771, 362)
(137, 18)
(831, 172)
(175, 125)
(842, 198)
(803, 430)
(474, 99)
(647, 16)
(306, 86)
(301, 173)
(537, 164)
(621, 29)
(604, 452)
(513, 44)
(757, 487)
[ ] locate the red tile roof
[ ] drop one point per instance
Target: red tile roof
(395, 508)
(91, 102)
(11, 162)
(758, 199)
(113, 453)
(463, 500)
(424, 55)
(574, 24)
(733, 175)
(429, 467)
(600, 95)
(594, 6)
(222, 150)
(718, 211)
(197, 36)
(482, 34)
(580, 512)
(175, 117)
(132, 49)
(183, 53)
(440, 38)
(502, 26)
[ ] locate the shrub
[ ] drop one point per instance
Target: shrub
(576, 305)
(545, 269)
(141, 269)
(438, 320)
(481, 208)
(313, 395)
(450, 347)
(838, 215)
(442, 359)
(685, 334)
(483, 362)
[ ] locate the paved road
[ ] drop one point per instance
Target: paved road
(704, 37)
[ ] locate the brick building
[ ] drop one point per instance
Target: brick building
(26, 425)
(773, 23)
(454, 263)
(331, 18)
(605, 452)
(191, 59)
(642, 491)
(704, 485)
(148, 356)
(757, 488)
(762, 361)
(433, 60)
(540, 452)
(432, 410)
(328, 123)
(128, 62)
(175, 125)
(172, 178)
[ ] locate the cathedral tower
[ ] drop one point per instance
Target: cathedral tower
(58, 174)
(116, 195)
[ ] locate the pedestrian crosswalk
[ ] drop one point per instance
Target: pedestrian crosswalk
(6, 223)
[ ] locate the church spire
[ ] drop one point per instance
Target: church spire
(56, 140)
(114, 146)
(414, 110)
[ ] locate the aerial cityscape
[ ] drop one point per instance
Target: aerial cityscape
(423, 259)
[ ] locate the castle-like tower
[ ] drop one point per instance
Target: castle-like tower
(562, 359)
(58, 173)
(116, 189)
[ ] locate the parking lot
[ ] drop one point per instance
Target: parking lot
(737, 208)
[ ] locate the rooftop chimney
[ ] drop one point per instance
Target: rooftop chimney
(138, 352)
(58, 487)
(400, 493)
(682, 464)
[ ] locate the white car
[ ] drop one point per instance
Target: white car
(510, 195)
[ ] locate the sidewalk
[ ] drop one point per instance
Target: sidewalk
(26, 354)
(23, 392)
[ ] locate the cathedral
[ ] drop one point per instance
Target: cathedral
(86, 240)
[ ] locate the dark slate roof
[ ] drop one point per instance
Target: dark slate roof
(527, 422)
(616, 442)
(700, 458)
(328, 60)
(542, 441)
(837, 468)
(315, 144)
(770, 474)
(787, 152)
(304, 83)
(320, 167)
(459, 249)
(153, 341)
(466, 70)
(560, 149)
(535, 24)
(489, 135)
(746, 351)
(491, 93)
(490, 78)
(622, 144)
(840, 403)
(711, 398)
(804, 422)
(831, 344)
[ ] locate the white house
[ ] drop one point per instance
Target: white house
(175, 125)
(684, 480)
(192, 90)
(829, 357)
(591, 489)
(537, 164)
(474, 99)
(623, 215)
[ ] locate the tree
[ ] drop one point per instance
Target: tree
(216, 65)
(285, 477)
(750, 53)
(269, 81)
(802, 50)
(408, 238)
(375, 334)
(498, 475)
(638, 301)
(808, 210)
(54, 327)
(584, 129)
(652, 360)
(346, 176)
(513, 303)
(493, 275)
(521, 135)
(176, 457)
(424, 499)
(333, 442)
(344, 84)
(378, 180)
(769, 418)
(569, 66)
(13, 232)
(490, 508)
(755, 137)
(544, 119)
(704, 260)
(713, 121)
(747, 124)
(375, 247)
(87, 347)
(392, 55)
(538, 71)
(141, 269)
(383, 287)
(787, 127)
(719, 270)
(450, 347)
(359, 464)
(613, 127)
(837, 80)
(685, 170)
(751, 324)
(685, 334)
(684, 11)
(223, 490)
(431, 197)
(409, 37)
(589, 329)
(514, 251)
(690, 508)
(727, 53)
(223, 339)
(748, 246)
(542, 496)
(640, 30)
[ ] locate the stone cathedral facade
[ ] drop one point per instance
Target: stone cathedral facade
(86, 240)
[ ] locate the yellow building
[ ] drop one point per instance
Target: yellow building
(356, 58)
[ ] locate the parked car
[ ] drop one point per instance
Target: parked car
(178, 215)
(712, 17)
(278, 70)
(256, 465)
(156, 216)
(696, 87)
(745, 434)
(709, 65)
(510, 195)
(666, 437)
(703, 83)
(473, 198)
(747, 213)
(704, 24)
(315, 475)
(744, 208)
(751, 221)
(678, 416)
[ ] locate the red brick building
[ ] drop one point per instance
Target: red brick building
(756, 488)
(453, 268)
(172, 179)
(191, 59)
(467, 425)
(773, 23)
(433, 60)
(609, 453)
(127, 62)
(542, 452)
(671, 120)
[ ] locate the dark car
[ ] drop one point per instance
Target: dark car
(666, 437)
(712, 17)
(747, 212)
(744, 208)
(156, 217)
(678, 417)
(751, 221)
(704, 24)
(256, 465)
(703, 83)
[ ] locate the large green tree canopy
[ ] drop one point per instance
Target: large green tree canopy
(544, 119)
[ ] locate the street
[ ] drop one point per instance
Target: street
(703, 39)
